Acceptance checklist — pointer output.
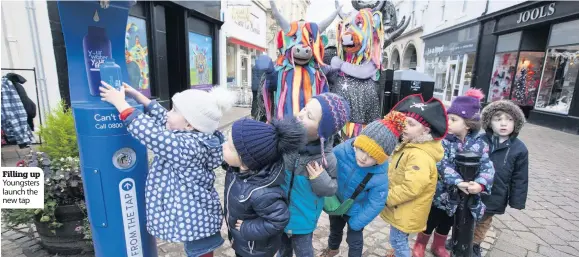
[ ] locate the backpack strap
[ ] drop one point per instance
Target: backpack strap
(361, 186)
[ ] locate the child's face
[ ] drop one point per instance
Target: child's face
(176, 121)
(230, 155)
(363, 159)
(414, 129)
(456, 125)
(310, 116)
(502, 124)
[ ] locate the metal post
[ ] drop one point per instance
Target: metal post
(468, 164)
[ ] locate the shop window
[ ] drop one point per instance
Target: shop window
(137, 55)
(558, 80)
(527, 78)
(231, 64)
(502, 76)
(565, 34)
(200, 59)
(468, 72)
(437, 68)
(509, 42)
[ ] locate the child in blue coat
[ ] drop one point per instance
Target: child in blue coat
(182, 204)
(310, 173)
(256, 211)
(362, 159)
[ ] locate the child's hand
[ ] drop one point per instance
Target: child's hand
(238, 224)
(130, 91)
(113, 96)
(474, 188)
(463, 186)
(314, 169)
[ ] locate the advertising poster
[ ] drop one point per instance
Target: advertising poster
(91, 36)
(502, 76)
(200, 60)
(137, 55)
(528, 78)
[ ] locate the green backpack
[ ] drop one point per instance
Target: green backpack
(333, 206)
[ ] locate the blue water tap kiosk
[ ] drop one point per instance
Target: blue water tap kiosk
(113, 164)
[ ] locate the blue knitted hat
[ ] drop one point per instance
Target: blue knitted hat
(259, 144)
(335, 114)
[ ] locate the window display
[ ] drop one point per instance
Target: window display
(502, 76)
(200, 59)
(527, 78)
(559, 78)
(231, 61)
(137, 55)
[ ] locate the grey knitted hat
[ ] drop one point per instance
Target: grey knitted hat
(379, 138)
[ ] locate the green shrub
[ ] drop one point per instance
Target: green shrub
(58, 134)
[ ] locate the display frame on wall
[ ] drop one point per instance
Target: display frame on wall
(137, 56)
(200, 60)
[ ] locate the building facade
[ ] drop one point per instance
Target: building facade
(527, 54)
(451, 34)
(27, 50)
(406, 51)
(292, 10)
(244, 30)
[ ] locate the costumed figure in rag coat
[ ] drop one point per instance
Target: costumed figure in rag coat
(299, 67)
(355, 70)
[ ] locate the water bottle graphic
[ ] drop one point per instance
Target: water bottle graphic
(97, 48)
(110, 73)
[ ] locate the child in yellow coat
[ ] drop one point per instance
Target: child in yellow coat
(412, 172)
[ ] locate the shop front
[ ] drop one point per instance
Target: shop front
(245, 29)
(449, 57)
(534, 47)
(169, 47)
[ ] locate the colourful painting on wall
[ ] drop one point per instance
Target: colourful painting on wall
(200, 60)
(528, 78)
(137, 55)
(502, 76)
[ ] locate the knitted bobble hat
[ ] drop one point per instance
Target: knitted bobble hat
(203, 110)
(467, 106)
(335, 114)
(380, 137)
(259, 144)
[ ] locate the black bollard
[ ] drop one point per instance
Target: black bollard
(467, 164)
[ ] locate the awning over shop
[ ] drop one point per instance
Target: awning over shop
(243, 43)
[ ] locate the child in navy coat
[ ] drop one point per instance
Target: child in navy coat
(359, 159)
(503, 120)
(182, 204)
(256, 211)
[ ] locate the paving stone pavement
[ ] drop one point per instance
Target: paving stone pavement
(548, 227)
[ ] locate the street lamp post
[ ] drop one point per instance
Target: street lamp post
(468, 164)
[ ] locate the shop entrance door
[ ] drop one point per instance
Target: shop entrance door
(451, 81)
(245, 90)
